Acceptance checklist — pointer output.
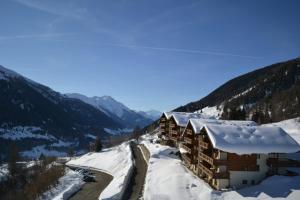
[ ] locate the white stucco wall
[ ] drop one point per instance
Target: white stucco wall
(237, 177)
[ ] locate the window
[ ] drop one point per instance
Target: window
(253, 182)
(245, 182)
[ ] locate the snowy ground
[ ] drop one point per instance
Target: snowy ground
(4, 168)
(168, 179)
(211, 111)
(35, 152)
(116, 161)
(70, 183)
(3, 172)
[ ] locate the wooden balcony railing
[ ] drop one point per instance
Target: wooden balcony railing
(212, 174)
(174, 138)
(163, 120)
(162, 125)
(172, 132)
(203, 145)
(274, 162)
(188, 140)
(186, 147)
(186, 158)
(189, 132)
(211, 160)
(171, 125)
(207, 158)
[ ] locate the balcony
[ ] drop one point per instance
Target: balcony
(212, 174)
(203, 145)
(172, 132)
(162, 125)
(206, 158)
(274, 162)
(172, 125)
(211, 160)
(188, 140)
(186, 147)
(189, 132)
(173, 137)
(162, 119)
(186, 158)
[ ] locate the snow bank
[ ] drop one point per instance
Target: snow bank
(70, 183)
(275, 187)
(168, 179)
(116, 161)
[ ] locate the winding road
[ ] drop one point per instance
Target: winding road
(134, 189)
(92, 190)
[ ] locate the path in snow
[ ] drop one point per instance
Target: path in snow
(134, 188)
(92, 190)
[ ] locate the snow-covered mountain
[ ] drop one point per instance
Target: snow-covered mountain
(151, 114)
(39, 119)
(115, 109)
(269, 94)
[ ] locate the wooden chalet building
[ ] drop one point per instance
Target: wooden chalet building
(234, 154)
(164, 126)
(177, 124)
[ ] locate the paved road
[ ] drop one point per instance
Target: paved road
(92, 190)
(135, 187)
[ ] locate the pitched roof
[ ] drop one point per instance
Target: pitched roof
(198, 124)
(182, 119)
(250, 139)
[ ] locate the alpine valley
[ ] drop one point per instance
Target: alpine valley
(41, 120)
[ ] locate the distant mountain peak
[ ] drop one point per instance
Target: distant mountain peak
(112, 107)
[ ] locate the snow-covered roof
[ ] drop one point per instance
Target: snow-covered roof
(198, 124)
(241, 139)
(182, 119)
(170, 113)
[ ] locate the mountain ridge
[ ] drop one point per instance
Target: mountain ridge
(258, 95)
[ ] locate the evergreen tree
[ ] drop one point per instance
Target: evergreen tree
(12, 163)
(98, 144)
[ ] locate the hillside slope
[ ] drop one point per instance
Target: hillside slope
(29, 109)
(265, 95)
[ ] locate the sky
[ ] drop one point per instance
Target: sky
(156, 54)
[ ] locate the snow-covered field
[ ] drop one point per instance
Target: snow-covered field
(35, 152)
(167, 178)
(3, 172)
(211, 111)
(21, 132)
(67, 185)
(116, 161)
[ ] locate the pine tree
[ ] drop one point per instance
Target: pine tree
(12, 163)
(98, 144)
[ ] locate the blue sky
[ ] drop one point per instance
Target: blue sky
(156, 54)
